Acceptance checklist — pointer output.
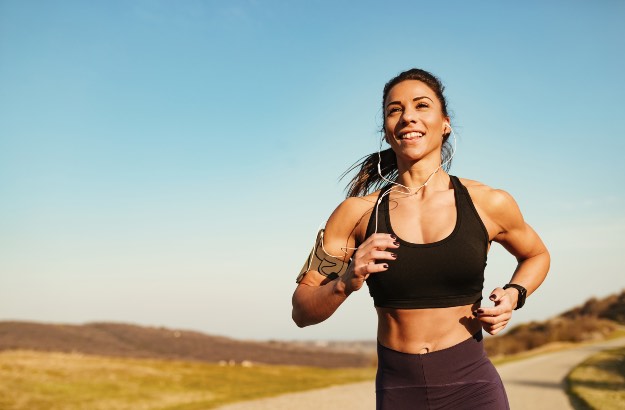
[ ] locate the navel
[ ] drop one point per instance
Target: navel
(424, 350)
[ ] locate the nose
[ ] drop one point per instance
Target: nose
(408, 115)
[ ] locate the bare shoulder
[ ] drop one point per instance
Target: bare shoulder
(350, 217)
(497, 204)
(488, 197)
(354, 207)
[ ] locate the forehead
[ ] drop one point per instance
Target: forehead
(409, 89)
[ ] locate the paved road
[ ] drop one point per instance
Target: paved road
(538, 382)
(534, 384)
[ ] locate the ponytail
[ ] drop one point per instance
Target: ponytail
(368, 179)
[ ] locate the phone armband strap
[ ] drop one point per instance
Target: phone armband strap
(318, 260)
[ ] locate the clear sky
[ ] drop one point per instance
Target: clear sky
(168, 163)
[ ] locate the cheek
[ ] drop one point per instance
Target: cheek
(389, 125)
(387, 129)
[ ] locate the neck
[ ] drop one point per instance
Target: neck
(420, 173)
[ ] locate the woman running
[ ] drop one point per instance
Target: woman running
(420, 241)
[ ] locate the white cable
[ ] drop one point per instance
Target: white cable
(382, 195)
(388, 192)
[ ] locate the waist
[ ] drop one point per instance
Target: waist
(420, 331)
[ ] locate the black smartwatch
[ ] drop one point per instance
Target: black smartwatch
(522, 294)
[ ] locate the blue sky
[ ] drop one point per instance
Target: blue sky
(168, 163)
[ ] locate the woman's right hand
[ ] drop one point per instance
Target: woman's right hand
(369, 259)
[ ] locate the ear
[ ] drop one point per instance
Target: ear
(446, 126)
(385, 138)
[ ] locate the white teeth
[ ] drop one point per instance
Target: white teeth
(413, 134)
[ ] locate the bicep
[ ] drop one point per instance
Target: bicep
(515, 235)
(334, 246)
(343, 227)
(522, 242)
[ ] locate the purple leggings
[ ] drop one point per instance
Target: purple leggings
(459, 377)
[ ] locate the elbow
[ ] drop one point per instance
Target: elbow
(299, 319)
(299, 314)
(546, 260)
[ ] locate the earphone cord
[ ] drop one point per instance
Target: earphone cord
(388, 192)
(427, 181)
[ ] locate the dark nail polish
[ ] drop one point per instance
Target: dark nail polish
(394, 237)
(492, 297)
(394, 256)
(480, 311)
(396, 243)
(475, 313)
(385, 266)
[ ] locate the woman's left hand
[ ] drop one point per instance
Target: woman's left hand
(495, 319)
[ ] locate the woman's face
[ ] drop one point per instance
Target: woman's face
(414, 123)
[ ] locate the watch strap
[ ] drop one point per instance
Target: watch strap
(522, 294)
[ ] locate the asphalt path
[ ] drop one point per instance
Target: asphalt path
(538, 382)
(535, 383)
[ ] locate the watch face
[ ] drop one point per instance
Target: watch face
(522, 294)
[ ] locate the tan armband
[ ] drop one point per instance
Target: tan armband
(327, 265)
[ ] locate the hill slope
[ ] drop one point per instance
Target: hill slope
(595, 319)
(124, 340)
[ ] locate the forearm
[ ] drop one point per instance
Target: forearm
(530, 273)
(314, 304)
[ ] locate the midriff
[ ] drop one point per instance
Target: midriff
(420, 331)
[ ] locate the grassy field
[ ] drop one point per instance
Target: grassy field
(599, 382)
(35, 380)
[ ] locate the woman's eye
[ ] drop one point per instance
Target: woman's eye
(393, 110)
(422, 105)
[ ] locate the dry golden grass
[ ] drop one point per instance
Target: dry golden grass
(599, 381)
(36, 380)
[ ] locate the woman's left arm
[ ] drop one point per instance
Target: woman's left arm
(518, 238)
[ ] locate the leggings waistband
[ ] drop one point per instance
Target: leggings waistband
(453, 364)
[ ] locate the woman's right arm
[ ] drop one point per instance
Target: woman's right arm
(316, 297)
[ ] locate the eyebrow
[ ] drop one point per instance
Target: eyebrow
(414, 99)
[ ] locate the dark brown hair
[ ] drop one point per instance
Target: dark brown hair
(367, 179)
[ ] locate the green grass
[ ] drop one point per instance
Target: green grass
(599, 381)
(37, 380)
(619, 332)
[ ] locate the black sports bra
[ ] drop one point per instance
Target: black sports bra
(445, 273)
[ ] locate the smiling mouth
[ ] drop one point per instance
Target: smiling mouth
(411, 135)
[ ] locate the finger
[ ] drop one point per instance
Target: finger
(487, 320)
(494, 319)
(497, 294)
(495, 324)
(495, 311)
(494, 328)
(495, 331)
(372, 267)
(501, 324)
(377, 255)
(382, 241)
(487, 328)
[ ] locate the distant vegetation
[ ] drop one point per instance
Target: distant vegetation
(123, 340)
(596, 319)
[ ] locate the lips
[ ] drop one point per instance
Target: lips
(412, 135)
